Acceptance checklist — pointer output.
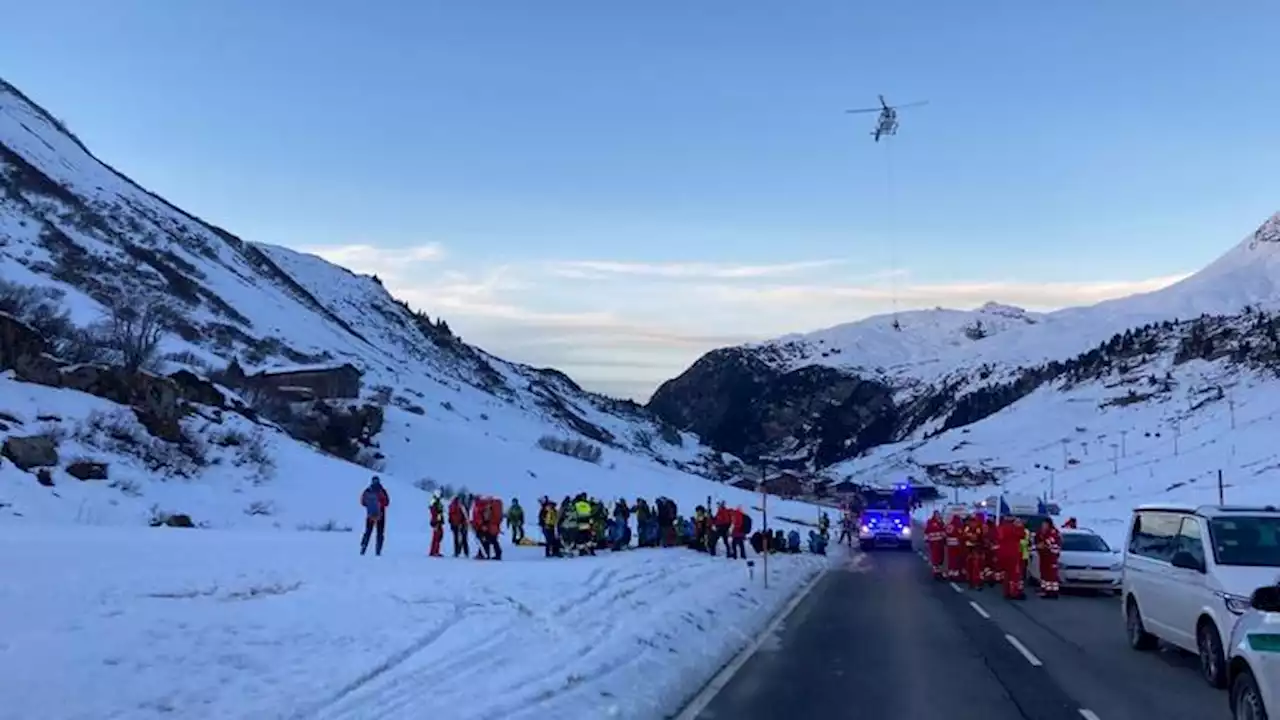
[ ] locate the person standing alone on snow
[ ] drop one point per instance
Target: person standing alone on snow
(515, 521)
(375, 501)
(437, 523)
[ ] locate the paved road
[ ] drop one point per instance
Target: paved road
(1081, 640)
(887, 639)
(884, 637)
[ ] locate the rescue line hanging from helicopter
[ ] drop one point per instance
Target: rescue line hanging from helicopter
(886, 127)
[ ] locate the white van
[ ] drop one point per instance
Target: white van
(1189, 573)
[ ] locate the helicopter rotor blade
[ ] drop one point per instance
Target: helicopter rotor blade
(913, 104)
(863, 110)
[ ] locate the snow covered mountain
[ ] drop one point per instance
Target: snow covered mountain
(71, 222)
(819, 398)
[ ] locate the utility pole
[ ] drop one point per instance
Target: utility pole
(1122, 443)
(1051, 483)
(1177, 430)
(1231, 408)
(1065, 442)
(1220, 500)
(1115, 459)
(764, 510)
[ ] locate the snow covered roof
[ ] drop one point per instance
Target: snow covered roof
(296, 369)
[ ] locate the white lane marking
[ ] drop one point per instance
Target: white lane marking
(978, 609)
(1089, 714)
(722, 678)
(957, 588)
(1023, 649)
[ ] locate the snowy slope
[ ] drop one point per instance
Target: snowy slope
(1152, 431)
(935, 343)
(70, 222)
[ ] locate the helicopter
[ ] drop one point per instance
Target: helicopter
(887, 124)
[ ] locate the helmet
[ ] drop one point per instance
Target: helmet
(435, 494)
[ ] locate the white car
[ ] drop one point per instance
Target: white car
(1253, 662)
(1086, 563)
(1189, 573)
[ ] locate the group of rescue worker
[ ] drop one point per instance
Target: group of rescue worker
(981, 552)
(581, 525)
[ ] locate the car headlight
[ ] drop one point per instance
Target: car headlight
(865, 530)
(1236, 604)
(906, 532)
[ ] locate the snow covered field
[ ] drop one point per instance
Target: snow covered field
(145, 623)
(247, 617)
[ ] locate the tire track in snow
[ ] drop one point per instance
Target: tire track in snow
(385, 666)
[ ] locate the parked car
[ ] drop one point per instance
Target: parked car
(1253, 663)
(1086, 563)
(1189, 573)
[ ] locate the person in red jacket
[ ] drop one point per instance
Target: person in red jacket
(1011, 533)
(721, 524)
(437, 523)
(375, 500)
(458, 524)
(1049, 549)
(994, 569)
(935, 535)
(739, 525)
(1070, 523)
(974, 541)
(955, 549)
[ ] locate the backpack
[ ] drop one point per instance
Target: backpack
(746, 524)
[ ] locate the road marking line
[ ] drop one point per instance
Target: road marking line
(722, 678)
(1089, 714)
(1023, 649)
(978, 609)
(957, 588)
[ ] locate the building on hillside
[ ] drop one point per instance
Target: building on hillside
(785, 484)
(848, 487)
(746, 484)
(310, 382)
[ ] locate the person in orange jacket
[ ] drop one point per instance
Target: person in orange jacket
(994, 568)
(721, 525)
(1011, 532)
(739, 526)
(1049, 550)
(437, 523)
(935, 535)
(973, 539)
(955, 549)
(458, 525)
(990, 557)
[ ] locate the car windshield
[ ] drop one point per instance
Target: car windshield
(1246, 540)
(1081, 542)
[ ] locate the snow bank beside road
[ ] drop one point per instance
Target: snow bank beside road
(285, 625)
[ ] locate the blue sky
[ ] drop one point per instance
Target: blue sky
(614, 188)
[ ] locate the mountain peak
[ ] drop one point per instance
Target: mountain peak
(1268, 232)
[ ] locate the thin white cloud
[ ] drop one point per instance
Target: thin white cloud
(617, 324)
(602, 269)
(1036, 296)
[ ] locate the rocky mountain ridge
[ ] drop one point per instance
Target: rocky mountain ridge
(814, 400)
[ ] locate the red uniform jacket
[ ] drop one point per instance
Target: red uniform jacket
(724, 516)
(1049, 541)
(437, 514)
(934, 530)
(735, 522)
(457, 516)
(1010, 538)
